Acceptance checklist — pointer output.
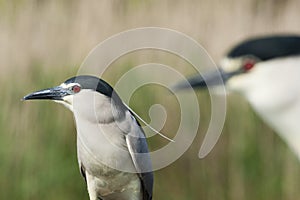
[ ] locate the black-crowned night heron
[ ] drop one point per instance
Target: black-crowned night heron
(266, 71)
(112, 150)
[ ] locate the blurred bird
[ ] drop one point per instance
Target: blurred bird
(112, 150)
(266, 71)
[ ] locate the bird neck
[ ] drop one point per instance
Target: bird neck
(98, 108)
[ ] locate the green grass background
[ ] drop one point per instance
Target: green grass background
(44, 42)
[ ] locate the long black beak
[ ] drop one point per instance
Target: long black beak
(212, 78)
(55, 93)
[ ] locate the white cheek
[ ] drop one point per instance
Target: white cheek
(230, 65)
(69, 99)
(242, 83)
(67, 102)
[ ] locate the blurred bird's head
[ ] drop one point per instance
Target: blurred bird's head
(259, 68)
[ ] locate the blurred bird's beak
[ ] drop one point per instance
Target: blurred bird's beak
(55, 93)
(212, 78)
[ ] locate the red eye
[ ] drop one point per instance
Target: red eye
(76, 88)
(249, 64)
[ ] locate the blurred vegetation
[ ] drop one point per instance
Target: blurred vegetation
(44, 42)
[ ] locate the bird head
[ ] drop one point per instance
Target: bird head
(250, 64)
(84, 94)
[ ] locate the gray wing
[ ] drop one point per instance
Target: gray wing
(138, 150)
